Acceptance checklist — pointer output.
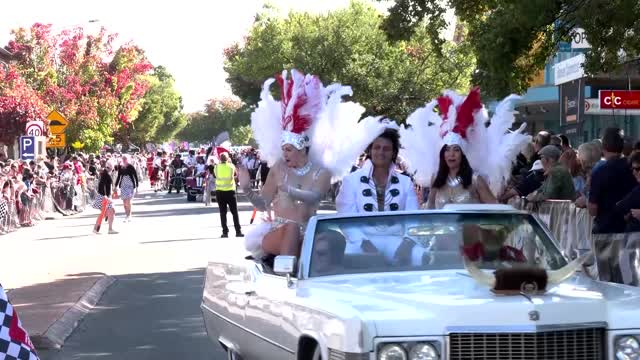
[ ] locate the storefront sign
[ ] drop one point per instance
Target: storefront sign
(579, 39)
(570, 69)
(592, 107)
(571, 106)
(619, 99)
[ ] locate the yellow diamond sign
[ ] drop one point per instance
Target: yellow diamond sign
(57, 122)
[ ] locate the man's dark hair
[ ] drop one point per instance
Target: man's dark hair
(612, 140)
(392, 135)
(565, 140)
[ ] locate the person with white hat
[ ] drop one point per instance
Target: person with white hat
(530, 183)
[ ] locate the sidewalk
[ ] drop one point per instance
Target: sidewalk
(51, 311)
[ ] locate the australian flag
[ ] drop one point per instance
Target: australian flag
(14, 340)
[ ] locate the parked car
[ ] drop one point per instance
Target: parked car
(466, 282)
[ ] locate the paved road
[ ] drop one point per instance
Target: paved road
(144, 316)
(152, 311)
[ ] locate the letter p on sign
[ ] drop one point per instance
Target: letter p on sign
(27, 147)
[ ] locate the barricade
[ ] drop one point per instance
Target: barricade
(616, 256)
(47, 199)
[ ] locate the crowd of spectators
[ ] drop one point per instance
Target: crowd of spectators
(38, 189)
(600, 176)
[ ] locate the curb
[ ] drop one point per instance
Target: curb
(55, 336)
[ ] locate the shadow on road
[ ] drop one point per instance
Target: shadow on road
(144, 316)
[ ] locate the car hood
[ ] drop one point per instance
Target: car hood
(438, 302)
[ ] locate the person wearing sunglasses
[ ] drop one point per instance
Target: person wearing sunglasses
(630, 205)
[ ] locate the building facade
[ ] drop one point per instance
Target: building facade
(563, 100)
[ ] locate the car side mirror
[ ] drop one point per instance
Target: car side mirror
(284, 265)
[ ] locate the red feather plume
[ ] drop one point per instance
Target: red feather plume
(295, 121)
(466, 110)
(444, 103)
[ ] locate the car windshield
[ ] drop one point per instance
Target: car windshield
(430, 241)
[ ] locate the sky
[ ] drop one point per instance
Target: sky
(185, 36)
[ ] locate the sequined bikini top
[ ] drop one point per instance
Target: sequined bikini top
(453, 192)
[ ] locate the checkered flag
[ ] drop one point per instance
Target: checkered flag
(14, 340)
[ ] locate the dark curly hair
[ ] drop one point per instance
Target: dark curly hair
(392, 135)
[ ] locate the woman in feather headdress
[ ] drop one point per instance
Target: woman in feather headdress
(295, 184)
(460, 154)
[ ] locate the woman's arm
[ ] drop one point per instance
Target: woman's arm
(118, 178)
(261, 200)
(484, 193)
(431, 201)
(135, 176)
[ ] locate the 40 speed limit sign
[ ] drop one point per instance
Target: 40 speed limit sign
(35, 128)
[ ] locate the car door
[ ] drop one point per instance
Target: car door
(224, 302)
(265, 307)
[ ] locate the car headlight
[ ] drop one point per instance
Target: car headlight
(392, 352)
(423, 351)
(627, 348)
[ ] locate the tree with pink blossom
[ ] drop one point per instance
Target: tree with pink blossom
(97, 87)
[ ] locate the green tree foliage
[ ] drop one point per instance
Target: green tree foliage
(160, 117)
(350, 47)
(242, 135)
(512, 40)
(225, 114)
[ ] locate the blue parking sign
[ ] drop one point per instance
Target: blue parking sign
(27, 147)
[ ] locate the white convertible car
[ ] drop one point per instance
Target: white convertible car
(463, 283)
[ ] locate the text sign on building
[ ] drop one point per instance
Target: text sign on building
(592, 107)
(579, 39)
(619, 99)
(572, 108)
(570, 69)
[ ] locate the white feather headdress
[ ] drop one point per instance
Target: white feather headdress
(275, 123)
(489, 144)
